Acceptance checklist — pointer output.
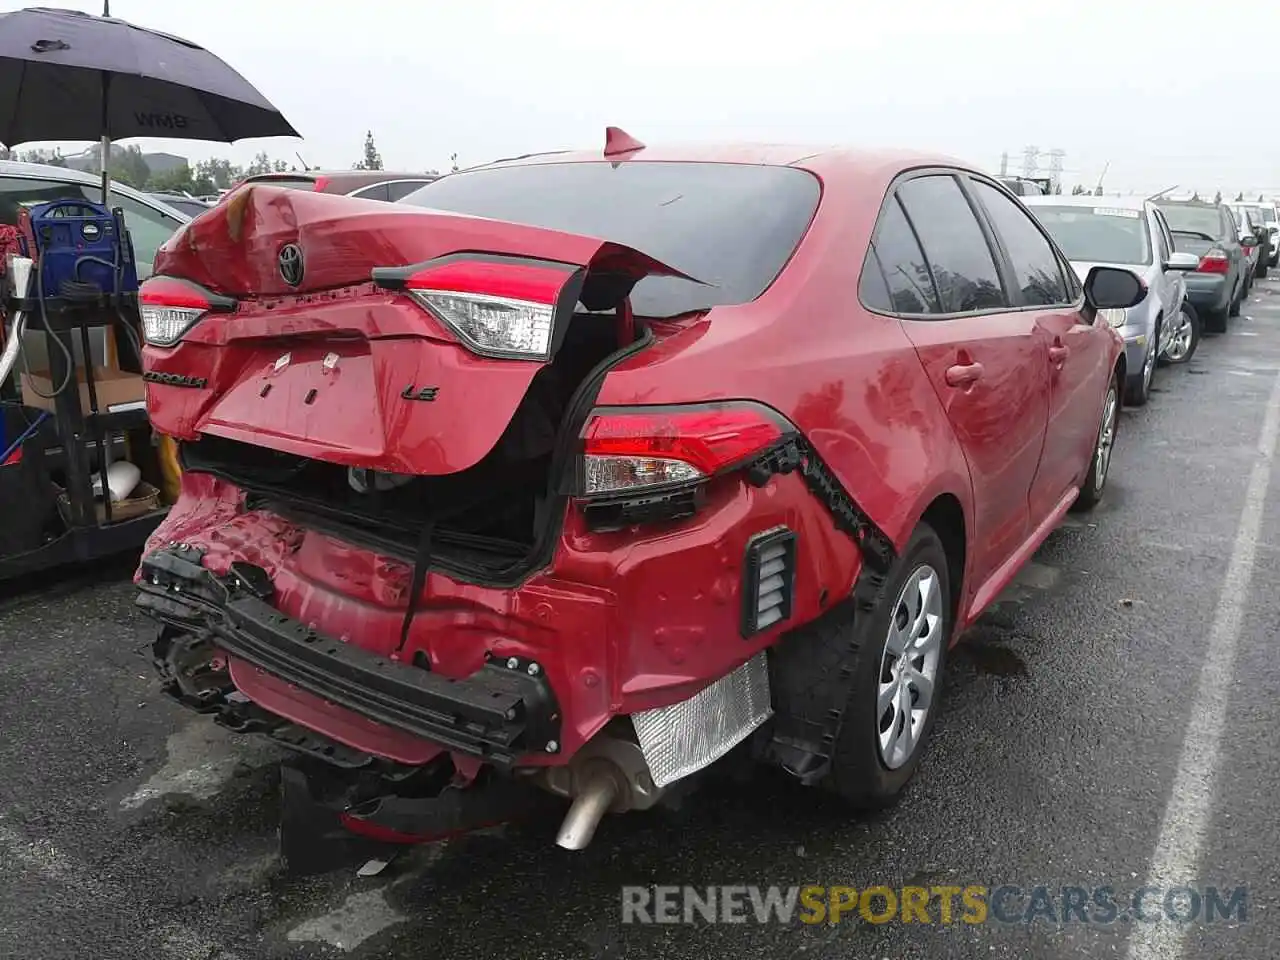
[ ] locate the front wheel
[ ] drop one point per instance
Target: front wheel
(897, 682)
(1138, 391)
(1184, 337)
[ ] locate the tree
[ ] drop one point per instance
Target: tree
(372, 159)
(1098, 191)
(53, 158)
(1217, 197)
(1260, 200)
(261, 164)
(1240, 197)
(1078, 190)
(130, 166)
(177, 180)
(216, 174)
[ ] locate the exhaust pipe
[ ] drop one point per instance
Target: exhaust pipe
(589, 807)
(19, 269)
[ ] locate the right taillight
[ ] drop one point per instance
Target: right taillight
(170, 307)
(638, 449)
(1214, 261)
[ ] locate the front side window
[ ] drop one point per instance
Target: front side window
(964, 270)
(1035, 263)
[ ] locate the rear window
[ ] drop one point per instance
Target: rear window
(1099, 234)
(733, 227)
(1195, 220)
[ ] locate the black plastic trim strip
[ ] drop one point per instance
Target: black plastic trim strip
(504, 710)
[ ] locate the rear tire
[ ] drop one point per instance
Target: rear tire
(1095, 483)
(881, 740)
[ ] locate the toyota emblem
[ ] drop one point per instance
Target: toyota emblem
(291, 264)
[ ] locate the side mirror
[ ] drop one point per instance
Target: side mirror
(1111, 288)
(1182, 261)
(1248, 240)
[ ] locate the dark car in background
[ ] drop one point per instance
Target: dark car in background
(1217, 287)
(369, 184)
(191, 206)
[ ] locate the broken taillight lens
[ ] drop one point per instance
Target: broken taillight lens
(170, 307)
(498, 309)
(634, 449)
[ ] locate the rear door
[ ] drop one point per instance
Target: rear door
(986, 360)
(1077, 362)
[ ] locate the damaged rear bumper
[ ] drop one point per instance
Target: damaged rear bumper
(503, 711)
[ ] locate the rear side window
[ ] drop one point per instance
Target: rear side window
(1035, 264)
(402, 188)
(732, 227)
(906, 275)
(377, 191)
(963, 269)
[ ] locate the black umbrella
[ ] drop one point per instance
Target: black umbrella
(66, 75)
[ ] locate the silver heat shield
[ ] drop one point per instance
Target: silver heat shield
(685, 737)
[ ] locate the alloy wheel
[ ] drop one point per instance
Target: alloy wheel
(909, 666)
(1180, 341)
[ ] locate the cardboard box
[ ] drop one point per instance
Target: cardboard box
(115, 389)
(144, 499)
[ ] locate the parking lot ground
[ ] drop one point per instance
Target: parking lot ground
(1084, 743)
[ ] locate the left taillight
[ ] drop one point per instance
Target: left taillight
(628, 450)
(501, 307)
(169, 307)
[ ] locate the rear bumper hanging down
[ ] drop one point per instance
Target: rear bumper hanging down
(497, 714)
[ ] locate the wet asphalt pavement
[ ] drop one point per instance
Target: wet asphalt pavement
(129, 829)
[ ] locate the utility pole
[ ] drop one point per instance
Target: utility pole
(1004, 164)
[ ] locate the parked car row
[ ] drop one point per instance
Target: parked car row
(1197, 260)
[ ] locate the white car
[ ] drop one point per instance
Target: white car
(150, 222)
(1131, 233)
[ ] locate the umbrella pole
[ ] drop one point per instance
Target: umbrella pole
(106, 136)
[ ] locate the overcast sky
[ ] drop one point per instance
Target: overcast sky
(1164, 97)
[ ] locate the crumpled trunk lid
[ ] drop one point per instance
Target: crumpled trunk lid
(338, 368)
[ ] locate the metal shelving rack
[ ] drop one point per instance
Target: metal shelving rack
(85, 538)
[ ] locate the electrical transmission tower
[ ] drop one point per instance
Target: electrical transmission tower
(1030, 161)
(1056, 156)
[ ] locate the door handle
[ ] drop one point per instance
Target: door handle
(1058, 352)
(964, 374)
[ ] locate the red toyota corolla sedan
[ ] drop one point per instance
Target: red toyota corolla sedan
(579, 471)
